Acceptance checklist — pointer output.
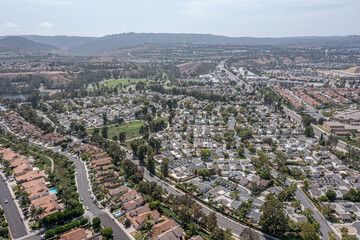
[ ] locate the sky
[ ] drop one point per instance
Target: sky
(236, 18)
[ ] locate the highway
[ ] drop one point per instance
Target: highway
(16, 225)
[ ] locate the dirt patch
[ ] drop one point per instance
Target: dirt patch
(55, 78)
(301, 59)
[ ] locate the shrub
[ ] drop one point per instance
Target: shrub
(83, 221)
(59, 229)
(49, 233)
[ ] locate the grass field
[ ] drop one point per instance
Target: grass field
(352, 142)
(131, 129)
(114, 82)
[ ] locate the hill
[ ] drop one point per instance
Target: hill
(24, 44)
(353, 70)
(95, 45)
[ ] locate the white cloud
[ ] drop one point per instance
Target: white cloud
(220, 9)
(53, 2)
(9, 25)
(45, 25)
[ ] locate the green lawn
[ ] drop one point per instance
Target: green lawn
(127, 81)
(352, 142)
(322, 128)
(47, 160)
(131, 129)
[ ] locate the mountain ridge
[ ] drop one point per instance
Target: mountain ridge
(24, 44)
(95, 45)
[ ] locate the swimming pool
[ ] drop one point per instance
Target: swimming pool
(53, 190)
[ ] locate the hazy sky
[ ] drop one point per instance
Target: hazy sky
(257, 18)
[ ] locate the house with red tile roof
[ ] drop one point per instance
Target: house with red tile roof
(48, 203)
(176, 233)
(22, 169)
(131, 195)
(30, 176)
(161, 227)
(128, 206)
(152, 217)
(77, 234)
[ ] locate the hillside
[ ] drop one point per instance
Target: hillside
(95, 45)
(126, 40)
(24, 44)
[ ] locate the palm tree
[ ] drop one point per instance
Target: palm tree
(147, 225)
(235, 195)
(40, 211)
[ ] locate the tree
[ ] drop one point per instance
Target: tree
(308, 213)
(280, 159)
(217, 234)
(96, 222)
(147, 225)
(104, 132)
(165, 167)
(307, 120)
(122, 137)
(331, 195)
(84, 221)
(345, 234)
(105, 119)
(150, 163)
(211, 221)
(228, 234)
(248, 234)
(141, 153)
(127, 223)
(154, 205)
(204, 173)
(307, 184)
(235, 195)
(308, 232)
(273, 219)
(309, 131)
(107, 232)
(333, 141)
(332, 235)
(205, 154)
(50, 233)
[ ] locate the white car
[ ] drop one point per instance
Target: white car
(87, 208)
(6, 201)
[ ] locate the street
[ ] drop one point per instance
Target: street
(16, 225)
(83, 187)
(324, 224)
